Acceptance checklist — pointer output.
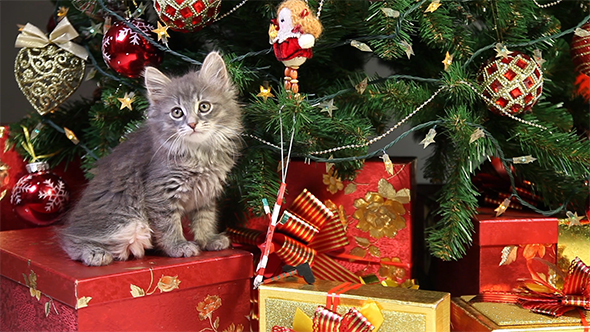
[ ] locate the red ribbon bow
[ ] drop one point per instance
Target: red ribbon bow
(307, 232)
(326, 319)
(541, 297)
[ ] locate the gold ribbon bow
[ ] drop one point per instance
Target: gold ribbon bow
(62, 35)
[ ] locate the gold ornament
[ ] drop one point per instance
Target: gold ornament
(49, 70)
(127, 100)
(429, 139)
(162, 32)
(265, 92)
(433, 6)
(448, 61)
(328, 107)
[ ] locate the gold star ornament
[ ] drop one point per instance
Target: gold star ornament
(265, 92)
(127, 100)
(448, 61)
(433, 6)
(502, 51)
(328, 107)
(162, 32)
(62, 12)
(429, 139)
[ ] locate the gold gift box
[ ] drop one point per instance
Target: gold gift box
(404, 310)
(573, 242)
(506, 317)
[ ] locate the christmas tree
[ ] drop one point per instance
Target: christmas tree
(479, 80)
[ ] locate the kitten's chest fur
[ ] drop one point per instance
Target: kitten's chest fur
(192, 183)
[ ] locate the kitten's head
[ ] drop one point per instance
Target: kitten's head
(194, 111)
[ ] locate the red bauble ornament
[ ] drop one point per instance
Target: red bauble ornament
(187, 15)
(41, 196)
(580, 50)
(127, 52)
(512, 84)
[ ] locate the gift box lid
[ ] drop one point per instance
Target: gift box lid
(33, 257)
(514, 227)
(488, 316)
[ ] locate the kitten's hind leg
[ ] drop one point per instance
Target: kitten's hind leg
(204, 227)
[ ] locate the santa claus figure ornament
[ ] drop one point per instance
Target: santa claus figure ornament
(293, 34)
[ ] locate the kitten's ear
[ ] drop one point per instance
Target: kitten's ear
(156, 82)
(214, 70)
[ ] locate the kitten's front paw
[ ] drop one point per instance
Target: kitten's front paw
(219, 242)
(183, 249)
(96, 257)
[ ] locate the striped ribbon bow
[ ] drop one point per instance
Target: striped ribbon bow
(541, 297)
(307, 231)
(326, 319)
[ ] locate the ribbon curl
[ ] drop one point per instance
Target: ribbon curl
(61, 36)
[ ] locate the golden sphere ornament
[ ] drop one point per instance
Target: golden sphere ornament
(511, 84)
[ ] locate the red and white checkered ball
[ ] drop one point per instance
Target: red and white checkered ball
(511, 84)
(187, 15)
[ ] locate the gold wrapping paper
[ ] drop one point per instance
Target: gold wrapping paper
(573, 241)
(486, 316)
(404, 310)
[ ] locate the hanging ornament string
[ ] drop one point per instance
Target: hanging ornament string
(28, 147)
(274, 216)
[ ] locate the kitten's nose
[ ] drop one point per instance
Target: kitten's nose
(192, 124)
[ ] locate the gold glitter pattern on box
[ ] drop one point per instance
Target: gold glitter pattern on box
(511, 314)
(281, 312)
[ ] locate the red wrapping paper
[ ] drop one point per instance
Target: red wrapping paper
(152, 293)
(397, 248)
(519, 234)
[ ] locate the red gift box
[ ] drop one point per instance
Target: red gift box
(42, 289)
(375, 210)
(379, 228)
(505, 249)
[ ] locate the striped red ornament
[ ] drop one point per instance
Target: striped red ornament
(580, 49)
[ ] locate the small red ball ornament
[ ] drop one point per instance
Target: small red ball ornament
(187, 15)
(41, 196)
(127, 52)
(580, 49)
(511, 84)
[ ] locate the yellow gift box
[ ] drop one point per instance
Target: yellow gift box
(490, 316)
(573, 241)
(403, 310)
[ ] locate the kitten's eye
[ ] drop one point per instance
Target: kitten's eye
(204, 106)
(176, 113)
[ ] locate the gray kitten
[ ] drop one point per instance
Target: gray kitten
(175, 165)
